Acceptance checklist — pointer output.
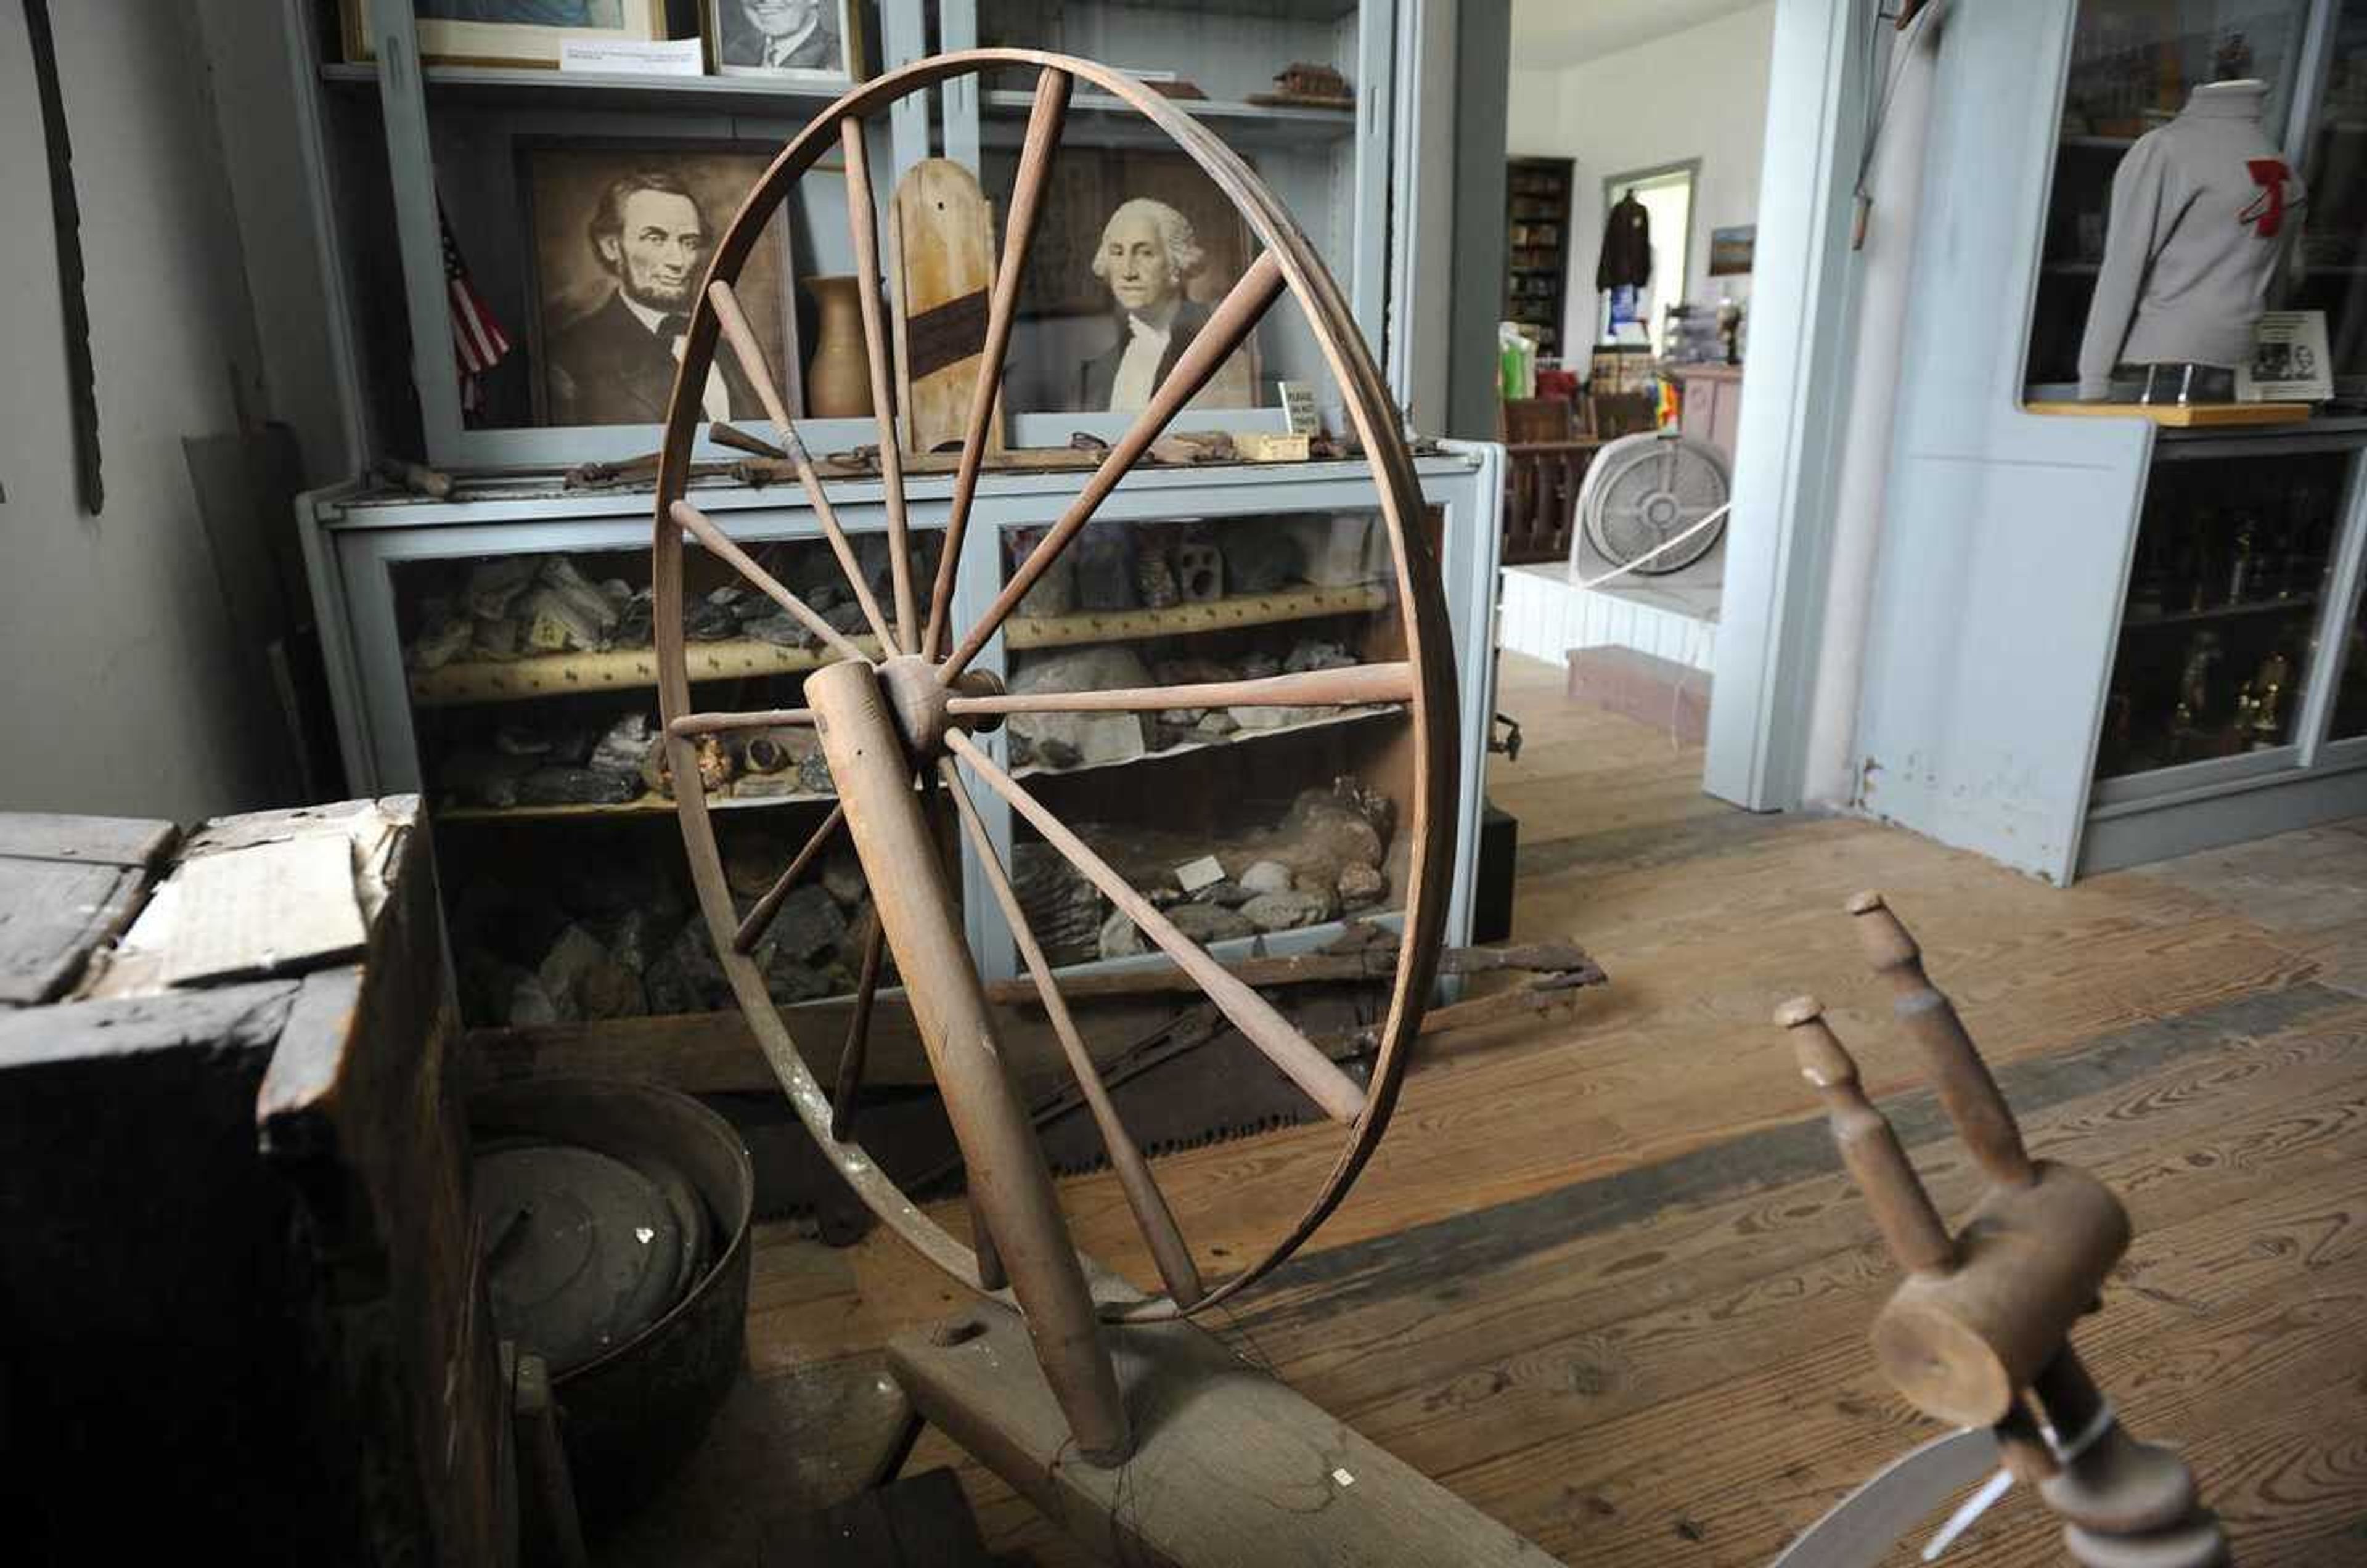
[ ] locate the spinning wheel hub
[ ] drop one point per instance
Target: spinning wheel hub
(920, 703)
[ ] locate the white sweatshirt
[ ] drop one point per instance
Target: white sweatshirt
(2202, 208)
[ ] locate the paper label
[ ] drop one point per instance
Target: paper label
(1299, 406)
(2290, 362)
(633, 57)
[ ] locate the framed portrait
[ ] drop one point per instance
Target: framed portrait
(617, 237)
(819, 42)
(1133, 248)
(506, 32)
(1730, 250)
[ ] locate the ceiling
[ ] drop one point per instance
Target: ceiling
(1551, 34)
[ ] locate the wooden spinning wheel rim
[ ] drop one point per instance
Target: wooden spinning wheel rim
(1424, 681)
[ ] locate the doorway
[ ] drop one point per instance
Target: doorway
(1666, 195)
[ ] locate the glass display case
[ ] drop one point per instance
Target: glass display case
(531, 682)
(1246, 820)
(2134, 65)
(2232, 568)
(492, 651)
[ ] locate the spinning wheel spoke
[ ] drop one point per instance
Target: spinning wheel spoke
(860, 229)
(857, 1045)
(697, 522)
(1044, 124)
(750, 355)
(1312, 688)
(691, 725)
(1151, 1214)
(1228, 325)
(1338, 1095)
(760, 919)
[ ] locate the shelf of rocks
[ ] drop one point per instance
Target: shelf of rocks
(1245, 733)
(661, 806)
(620, 669)
(1207, 614)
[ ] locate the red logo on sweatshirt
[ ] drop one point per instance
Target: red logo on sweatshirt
(2268, 209)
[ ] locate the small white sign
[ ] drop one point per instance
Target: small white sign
(1205, 872)
(2290, 362)
(1298, 407)
(633, 57)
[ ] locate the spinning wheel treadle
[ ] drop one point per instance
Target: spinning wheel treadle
(897, 735)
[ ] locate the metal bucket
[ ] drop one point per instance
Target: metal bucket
(632, 1414)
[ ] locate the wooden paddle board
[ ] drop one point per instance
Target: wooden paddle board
(941, 261)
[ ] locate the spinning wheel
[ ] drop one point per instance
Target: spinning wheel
(896, 729)
(1643, 491)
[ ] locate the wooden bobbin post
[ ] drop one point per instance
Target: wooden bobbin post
(1984, 1317)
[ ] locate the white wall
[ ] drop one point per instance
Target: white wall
(120, 689)
(1699, 94)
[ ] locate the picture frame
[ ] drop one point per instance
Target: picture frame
(527, 33)
(591, 355)
(1730, 250)
(823, 39)
(1068, 330)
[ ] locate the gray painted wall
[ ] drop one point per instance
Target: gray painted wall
(121, 683)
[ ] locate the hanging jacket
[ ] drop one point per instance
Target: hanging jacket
(2202, 209)
(1626, 246)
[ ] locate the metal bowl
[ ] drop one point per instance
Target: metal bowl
(632, 1414)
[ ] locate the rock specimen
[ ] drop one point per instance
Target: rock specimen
(1287, 910)
(622, 746)
(1066, 739)
(1341, 552)
(1104, 557)
(1362, 885)
(1200, 568)
(1266, 876)
(571, 785)
(1054, 592)
(566, 611)
(1061, 907)
(1259, 555)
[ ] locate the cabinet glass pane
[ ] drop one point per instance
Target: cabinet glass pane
(2334, 236)
(533, 691)
(2215, 648)
(1300, 807)
(2134, 64)
(2349, 718)
(1136, 244)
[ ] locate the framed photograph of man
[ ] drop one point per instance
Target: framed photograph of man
(506, 32)
(819, 42)
(617, 236)
(1132, 251)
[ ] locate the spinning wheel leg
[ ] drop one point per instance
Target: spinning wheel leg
(1010, 1181)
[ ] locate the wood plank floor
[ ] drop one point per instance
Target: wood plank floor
(1603, 1279)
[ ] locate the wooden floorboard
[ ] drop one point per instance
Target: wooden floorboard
(1604, 1280)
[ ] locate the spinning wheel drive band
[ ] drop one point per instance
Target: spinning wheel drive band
(885, 724)
(1643, 491)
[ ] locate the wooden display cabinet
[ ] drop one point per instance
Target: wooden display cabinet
(379, 559)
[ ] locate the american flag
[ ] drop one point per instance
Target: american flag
(476, 338)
